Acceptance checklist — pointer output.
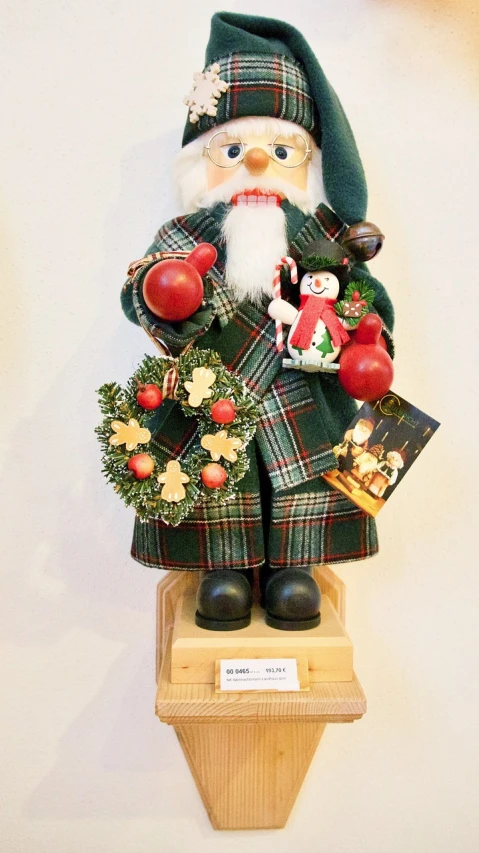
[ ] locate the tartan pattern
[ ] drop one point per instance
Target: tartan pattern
(322, 223)
(315, 527)
(291, 435)
(178, 437)
(212, 537)
(247, 345)
(260, 85)
(318, 526)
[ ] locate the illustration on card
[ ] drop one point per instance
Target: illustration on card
(377, 450)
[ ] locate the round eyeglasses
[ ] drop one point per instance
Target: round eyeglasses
(227, 151)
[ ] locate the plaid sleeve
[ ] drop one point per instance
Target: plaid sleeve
(176, 336)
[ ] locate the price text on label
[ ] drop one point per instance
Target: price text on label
(263, 674)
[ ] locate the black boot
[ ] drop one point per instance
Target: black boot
(292, 600)
(248, 574)
(223, 601)
(265, 573)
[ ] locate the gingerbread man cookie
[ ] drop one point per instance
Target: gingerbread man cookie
(130, 434)
(220, 445)
(200, 388)
(173, 491)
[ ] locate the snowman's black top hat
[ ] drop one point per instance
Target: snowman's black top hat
(326, 255)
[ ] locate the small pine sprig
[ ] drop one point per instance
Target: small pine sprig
(316, 263)
(356, 291)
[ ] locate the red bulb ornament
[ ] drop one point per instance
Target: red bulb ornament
(141, 465)
(223, 412)
(365, 369)
(173, 289)
(214, 475)
(149, 396)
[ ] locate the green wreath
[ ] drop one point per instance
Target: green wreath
(153, 496)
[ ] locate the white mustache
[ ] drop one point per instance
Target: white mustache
(242, 180)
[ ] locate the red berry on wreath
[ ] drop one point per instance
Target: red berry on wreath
(149, 396)
(141, 465)
(213, 475)
(223, 412)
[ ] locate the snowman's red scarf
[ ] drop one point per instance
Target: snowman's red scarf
(314, 308)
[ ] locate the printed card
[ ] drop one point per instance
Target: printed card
(377, 450)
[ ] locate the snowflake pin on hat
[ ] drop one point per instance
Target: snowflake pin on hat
(206, 90)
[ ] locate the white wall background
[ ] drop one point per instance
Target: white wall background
(92, 115)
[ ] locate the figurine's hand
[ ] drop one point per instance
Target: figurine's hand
(279, 309)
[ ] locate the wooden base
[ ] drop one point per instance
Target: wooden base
(194, 650)
(236, 796)
(248, 753)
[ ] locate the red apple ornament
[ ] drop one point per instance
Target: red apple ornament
(149, 396)
(142, 465)
(365, 369)
(213, 475)
(223, 412)
(173, 289)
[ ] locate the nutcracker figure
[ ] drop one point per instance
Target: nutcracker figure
(268, 166)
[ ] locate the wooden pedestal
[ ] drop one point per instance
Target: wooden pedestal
(248, 753)
(194, 651)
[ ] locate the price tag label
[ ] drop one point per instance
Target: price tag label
(264, 674)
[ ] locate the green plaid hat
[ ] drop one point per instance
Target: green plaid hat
(263, 67)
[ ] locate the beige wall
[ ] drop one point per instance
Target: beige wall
(91, 113)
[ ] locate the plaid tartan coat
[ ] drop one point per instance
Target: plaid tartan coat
(285, 513)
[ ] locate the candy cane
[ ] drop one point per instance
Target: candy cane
(293, 270)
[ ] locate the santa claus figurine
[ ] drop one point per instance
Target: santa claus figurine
(269, 165)
(355, 442)
(366, 464)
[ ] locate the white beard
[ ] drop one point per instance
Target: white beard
(255, 242)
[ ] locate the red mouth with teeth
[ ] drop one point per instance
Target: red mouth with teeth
(257, 198)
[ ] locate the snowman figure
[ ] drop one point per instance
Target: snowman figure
(317, 332)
